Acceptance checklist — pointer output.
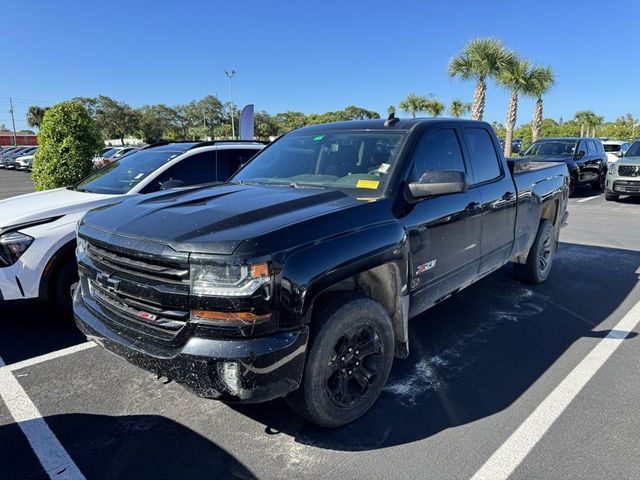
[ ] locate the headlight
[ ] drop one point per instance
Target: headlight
(228, 280)
(611, 168)
(12, 246)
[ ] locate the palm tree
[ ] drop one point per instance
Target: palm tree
(35, 115)
(583, 117)
(434, 107)
(594, 121)
(516, 77)
(459, 108)
(542, 81)
(391, 110)
(414, 104)
(480, 59)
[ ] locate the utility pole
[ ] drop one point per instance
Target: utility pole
(231, 74)
(13, 120)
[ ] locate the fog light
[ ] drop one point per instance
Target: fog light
(230, 374)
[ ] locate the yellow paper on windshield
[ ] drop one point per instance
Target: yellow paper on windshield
(368, 184)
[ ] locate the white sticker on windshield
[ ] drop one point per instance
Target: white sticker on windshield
(138, 176)
(384, 168)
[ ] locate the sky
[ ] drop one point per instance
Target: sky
(312, 56)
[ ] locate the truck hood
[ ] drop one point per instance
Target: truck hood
(33, 207)
(215, 220)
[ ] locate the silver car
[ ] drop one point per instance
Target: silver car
(623, 176)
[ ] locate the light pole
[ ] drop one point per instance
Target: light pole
(231, 74)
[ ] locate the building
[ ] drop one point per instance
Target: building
(22, 139)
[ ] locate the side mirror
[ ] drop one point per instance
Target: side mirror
(620, 154)
(581, 154)
(439, 182)
(172, 184)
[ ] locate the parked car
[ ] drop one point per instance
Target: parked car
(37, 231)
(25, 162)
(615, 149)
(585, 158)
(9, 161)
(298, 277)
(114, 155)
(623, 177)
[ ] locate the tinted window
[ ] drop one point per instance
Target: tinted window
(611, 148)
(229, 161)
(634, 150)
(483, 154)
(193, 170)
(439, 150)
(591, 146)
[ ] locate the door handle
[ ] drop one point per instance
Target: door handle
(508, 196)
(473, 208)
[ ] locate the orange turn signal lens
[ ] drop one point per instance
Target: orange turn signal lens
(259, 270)
(229, 316)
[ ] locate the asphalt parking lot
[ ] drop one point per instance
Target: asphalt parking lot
(503, 378)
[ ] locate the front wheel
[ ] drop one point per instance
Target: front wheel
(349, 359)
(611, 197)
(598, 185)
(64, 289)
(540, 258)
(573, 180)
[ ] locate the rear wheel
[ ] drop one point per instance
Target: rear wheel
(349, 359)
(540, 258)
(599, 184)
(612, 197)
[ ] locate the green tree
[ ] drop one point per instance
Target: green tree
(69, 138)
(458, 108)
(89, 103)
(35, 115)
(203, 116)
(356, 113)
(288, 121)
(434, 108)
(542, 80)
(583, 118)
(515, 77)
(265, 126)
(479, 60)
(116, 119)
(391, 110)
(3, 128)
(27, 132)
(156, 122)
(414, 104)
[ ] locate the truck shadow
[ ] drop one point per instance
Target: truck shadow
(130, 446)
(475, 354)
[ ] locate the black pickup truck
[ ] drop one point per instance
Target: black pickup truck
(298, 276)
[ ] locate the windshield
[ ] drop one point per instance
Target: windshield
(122, 175)
(610, 148)
(552, 147)
(334, 159)
(634, 150)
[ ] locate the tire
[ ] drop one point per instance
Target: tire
(611, 197)
(540, 258)
(573, 181)
(599, 184)
(64, 287)
(341, 382)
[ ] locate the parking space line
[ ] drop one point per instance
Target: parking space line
(514, 450)
(48, 356)
(587, 199)
(53, 457)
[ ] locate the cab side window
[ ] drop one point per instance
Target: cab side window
(591, 147)
(193, 170)
(483, 154)
(437, 150)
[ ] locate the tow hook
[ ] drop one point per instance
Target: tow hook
(163, 379)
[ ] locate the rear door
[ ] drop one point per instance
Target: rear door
(443, 231)
(498, 197)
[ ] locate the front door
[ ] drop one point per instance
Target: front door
(444, 231)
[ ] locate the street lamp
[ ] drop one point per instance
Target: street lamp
(231, 74)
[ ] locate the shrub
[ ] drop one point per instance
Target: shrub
(69, 138)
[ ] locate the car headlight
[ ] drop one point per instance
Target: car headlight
(228, 280)
(81, 246)
(12, 246)
(611, 168)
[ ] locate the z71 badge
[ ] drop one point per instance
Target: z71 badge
(425, 266)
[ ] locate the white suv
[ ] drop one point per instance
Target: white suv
(37, 230)
(623, 177)
(615, 149)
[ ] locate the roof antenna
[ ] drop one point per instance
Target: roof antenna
(391, 120)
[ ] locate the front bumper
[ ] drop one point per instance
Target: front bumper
(233, 370)
(623, 186)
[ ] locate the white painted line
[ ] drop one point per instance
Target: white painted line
(588, 198)
(514, 450)
(48, 356)
(54, 458)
